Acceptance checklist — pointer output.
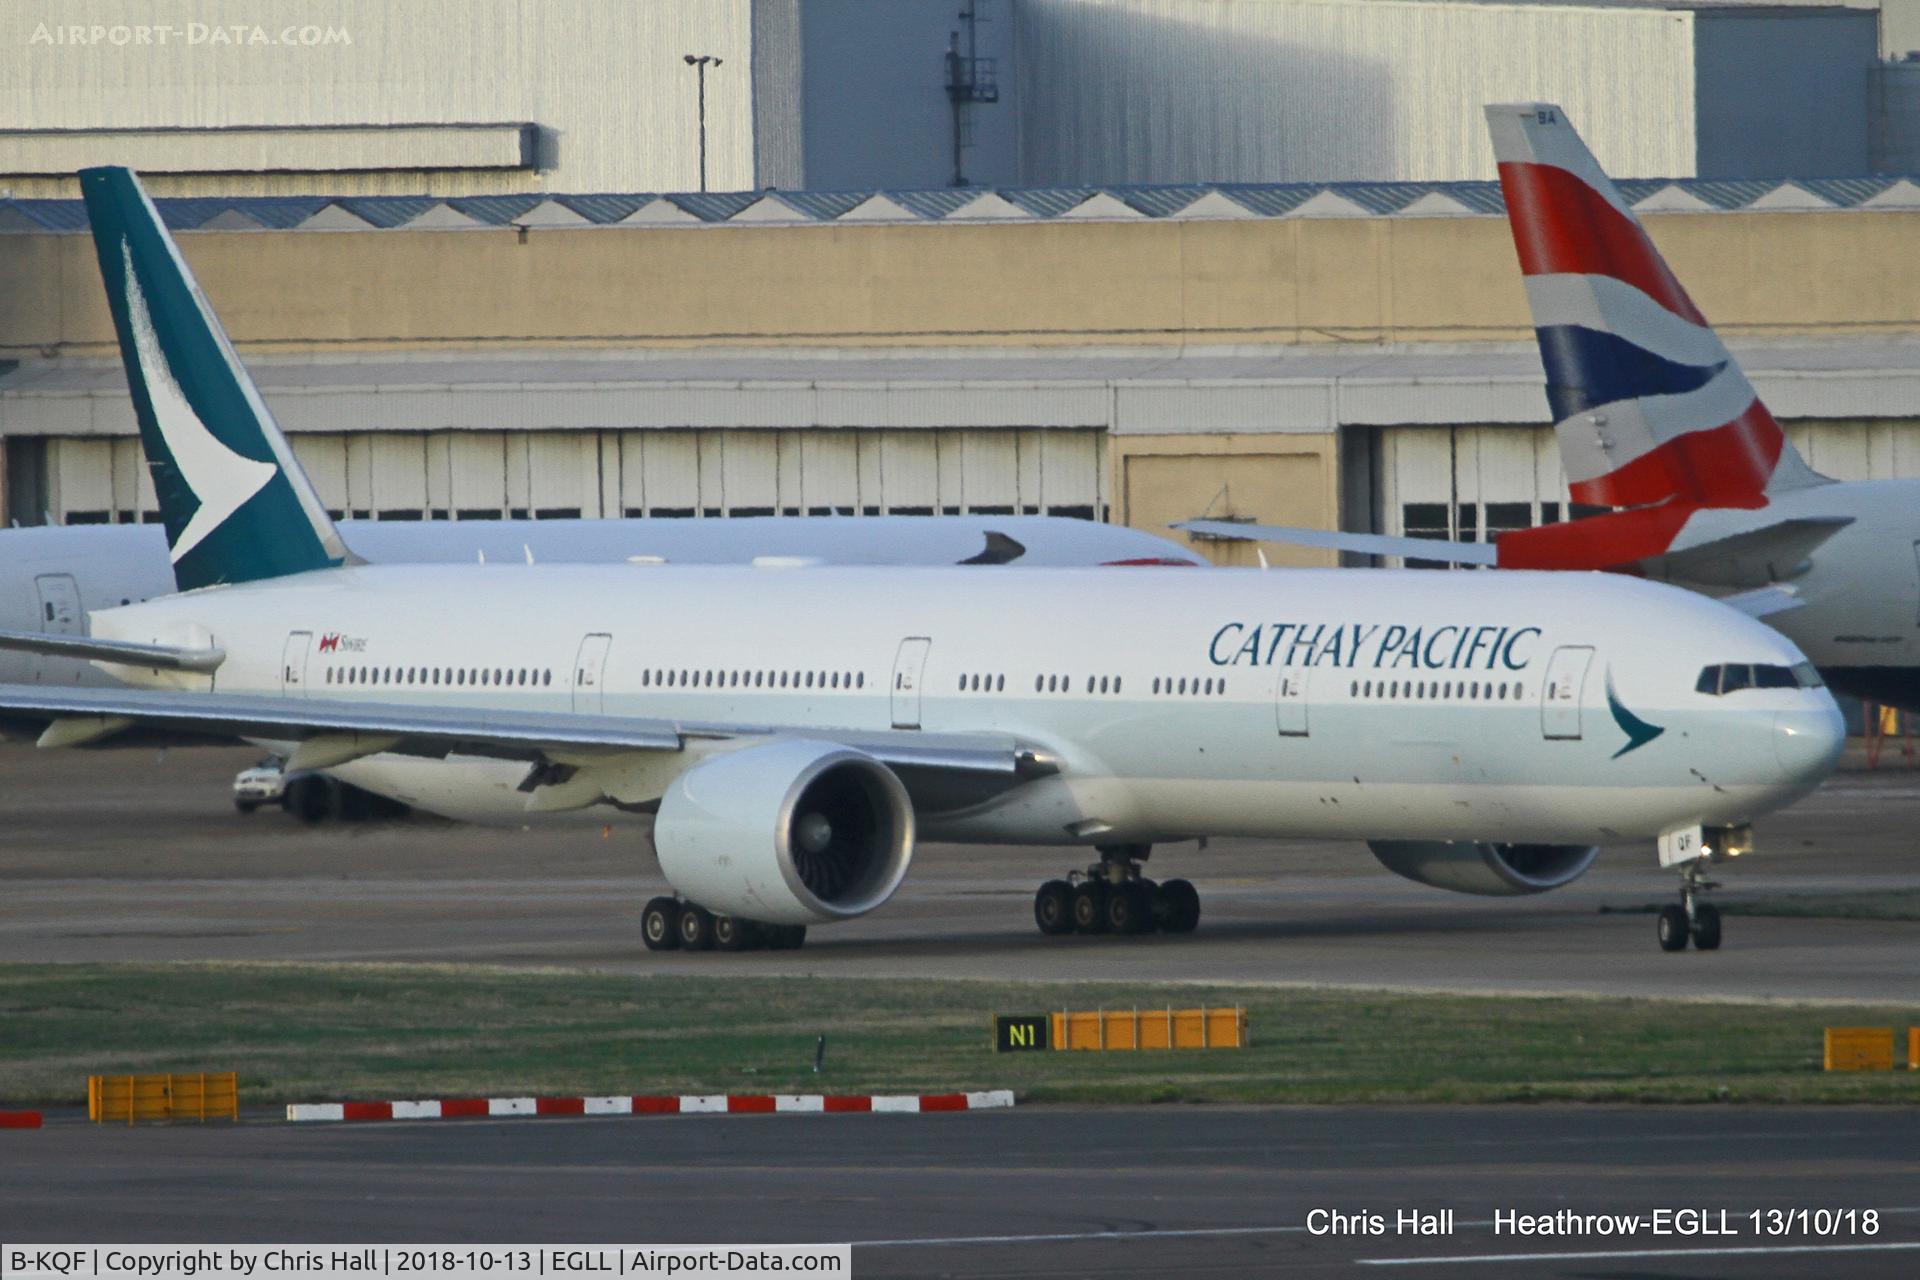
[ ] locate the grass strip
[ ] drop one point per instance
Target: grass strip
(302, 1032)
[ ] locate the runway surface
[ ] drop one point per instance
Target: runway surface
(1042, 1192)
(125, 855)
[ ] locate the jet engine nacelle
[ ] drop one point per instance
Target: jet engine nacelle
(790, 832)
(1495, 870)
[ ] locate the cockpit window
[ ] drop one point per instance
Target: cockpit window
(1731, 677)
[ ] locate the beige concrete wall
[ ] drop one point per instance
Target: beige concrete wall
(1255, 281)
(1273, 479)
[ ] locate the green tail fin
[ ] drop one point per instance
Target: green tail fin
(236, 504)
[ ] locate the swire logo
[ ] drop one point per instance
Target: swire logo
(330, 642)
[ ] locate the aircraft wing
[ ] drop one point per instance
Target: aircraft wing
(161, 657)
(1746, 557)
(583, 758)
(1708, 547)
(1370, 544)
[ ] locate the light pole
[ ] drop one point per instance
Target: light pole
(700, 64)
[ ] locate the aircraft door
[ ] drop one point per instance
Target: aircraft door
(1290, 702)
(1562, 693)
(590, 674)
(293, 664)
(909, 670)
(59, 604)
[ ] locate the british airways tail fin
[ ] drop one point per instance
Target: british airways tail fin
(1648, 405)
(236, 504)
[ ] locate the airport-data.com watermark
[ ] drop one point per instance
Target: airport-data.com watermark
(206, 35)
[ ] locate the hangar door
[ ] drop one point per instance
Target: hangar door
(1271, 488)
(614, 471)
(1468, 484)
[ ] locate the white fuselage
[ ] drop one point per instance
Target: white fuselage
(1860, 620)
(52, 577)
(1178, 703)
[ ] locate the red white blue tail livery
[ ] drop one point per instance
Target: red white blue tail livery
(1648, 405)
(1655, 417)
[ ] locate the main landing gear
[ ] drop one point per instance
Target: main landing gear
(1113, 896)
(1690, 917)
(669, 924)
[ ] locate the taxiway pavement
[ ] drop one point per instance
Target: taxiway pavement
(122, 855)
(1046, 1192)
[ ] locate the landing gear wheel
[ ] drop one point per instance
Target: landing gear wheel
(1090, 907)
(730, 933)
(1129, 909)
(660, 924)
(1176, 904)
(1673, 928)
(785, 937)
(1053, 908)
(696, 928)
(1706, 927)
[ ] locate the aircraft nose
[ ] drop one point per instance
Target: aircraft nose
(1808, 741)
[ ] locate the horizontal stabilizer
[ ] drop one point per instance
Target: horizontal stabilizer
(1368, 544)
(161, 657)
(1749, 557)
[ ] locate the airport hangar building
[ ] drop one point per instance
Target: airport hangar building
(1355, 353)
(1355, 357)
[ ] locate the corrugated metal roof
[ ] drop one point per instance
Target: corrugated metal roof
(1267, 200)
(1158, 202)
(1046, 202)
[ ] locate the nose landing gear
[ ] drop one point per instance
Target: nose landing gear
(1691, 918)
(1113, 895)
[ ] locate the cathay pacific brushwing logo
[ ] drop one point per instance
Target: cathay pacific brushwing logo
(220, 479)
(1639, 732)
